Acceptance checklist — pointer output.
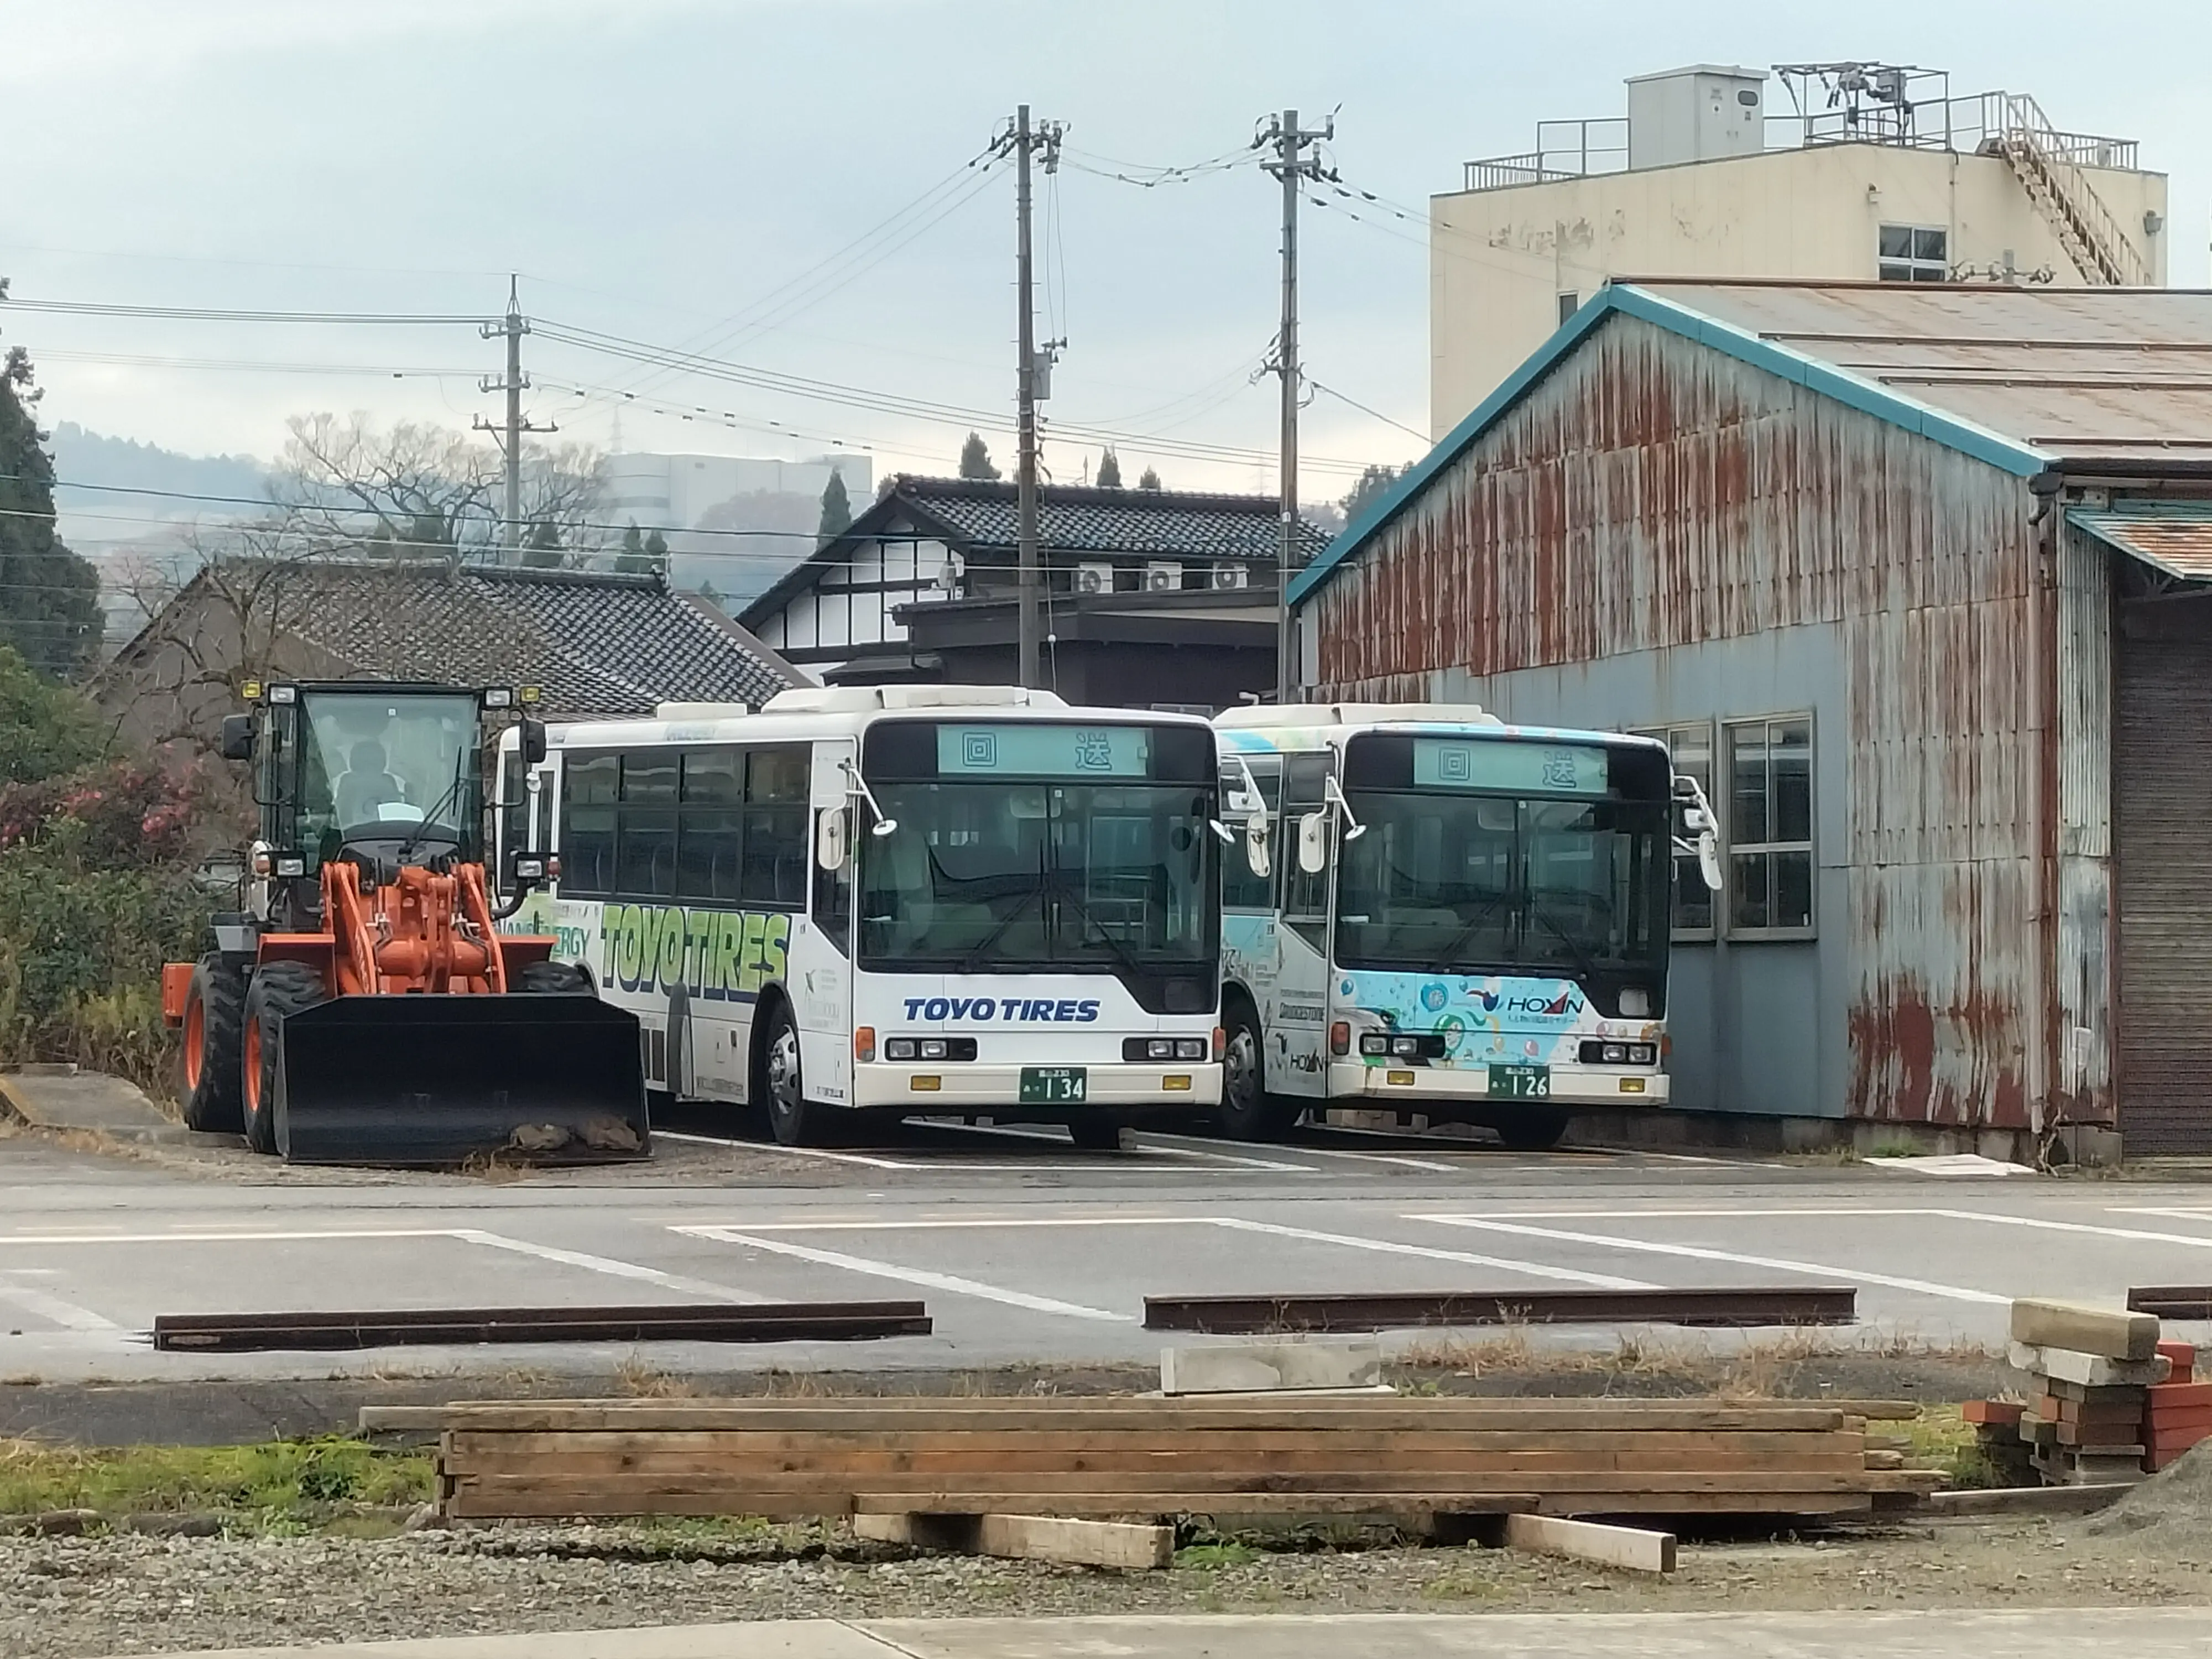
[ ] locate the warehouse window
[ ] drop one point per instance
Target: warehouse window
(1691, 749)
(1769, 824)
(1914, 254)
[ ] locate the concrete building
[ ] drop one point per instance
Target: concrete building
(1919, 577)
(1866, 173)
(679, 492)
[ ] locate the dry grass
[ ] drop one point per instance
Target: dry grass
(1768, 1366)
(636, 1378)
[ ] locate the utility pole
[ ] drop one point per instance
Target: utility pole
(1294, 168)
(513, 383)
(1021, 138)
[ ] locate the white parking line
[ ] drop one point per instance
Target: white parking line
(938, 1166)
(1698, 1253)
(52, 1309)
(1533, 1269)
(1234, 1224)
(608, 1264)
(859, 1264)
(1308, 1151)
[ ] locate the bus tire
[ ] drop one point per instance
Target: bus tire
(1096, 1135)
(1538, 1129)
(791, 1118)
(1247, 1111)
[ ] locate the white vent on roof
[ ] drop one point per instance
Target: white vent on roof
(1163, 577)
(1093, 578)
(835, 699)
(699, 711)
(1227, 576)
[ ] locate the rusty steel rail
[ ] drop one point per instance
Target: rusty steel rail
(2172, 1301)
(774, 1322)
(1821, 1304)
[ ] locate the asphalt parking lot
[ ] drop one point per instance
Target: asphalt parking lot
(1024, 1248)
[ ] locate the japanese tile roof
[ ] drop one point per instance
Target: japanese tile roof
(598, 643)
(1074, 521)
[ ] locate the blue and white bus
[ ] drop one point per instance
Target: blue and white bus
(1429, 912)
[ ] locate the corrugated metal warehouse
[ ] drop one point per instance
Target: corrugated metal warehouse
(1918, 579)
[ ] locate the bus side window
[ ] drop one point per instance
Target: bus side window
(1305, 894)
(833, 893)
(1240, 889)
(588, 789)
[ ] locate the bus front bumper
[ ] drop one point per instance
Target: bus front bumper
(1112, 1087)
(1414, 1088)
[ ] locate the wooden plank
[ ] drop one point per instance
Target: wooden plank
(1028, 1538)
(1322, 1462)
(631, 1487)
(468, 1445)
(1369, 1413)
(1678, 1504)
(1213, 1503)
(1629, 1549)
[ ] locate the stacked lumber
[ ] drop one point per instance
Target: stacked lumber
(2090, 1371)
(1151, 1456)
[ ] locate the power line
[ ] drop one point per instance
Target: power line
(1354, 402)
(219, 314)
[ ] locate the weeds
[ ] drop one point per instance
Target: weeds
(285, 1480)
(1212, 1557)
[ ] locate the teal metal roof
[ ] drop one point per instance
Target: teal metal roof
(1859, 391)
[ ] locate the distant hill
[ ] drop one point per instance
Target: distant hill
(99, 478)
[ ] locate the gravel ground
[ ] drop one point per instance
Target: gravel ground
(70, 1598)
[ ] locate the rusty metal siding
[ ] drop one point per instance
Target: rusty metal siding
(1650, 493)
(2084, 1090)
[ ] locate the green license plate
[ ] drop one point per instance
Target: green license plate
(1054, 1085)
(1517, 1082)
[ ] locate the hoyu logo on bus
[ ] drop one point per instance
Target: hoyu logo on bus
(719, 954)
(1006, 1010)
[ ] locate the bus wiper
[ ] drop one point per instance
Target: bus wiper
(1583, 963)
(974, 959)
(1063, 890)
(1446, 962)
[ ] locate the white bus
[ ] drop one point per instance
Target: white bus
(1430, 913)
(861, 904)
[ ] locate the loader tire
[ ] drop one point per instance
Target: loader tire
(553, 978)
(279, 988)
(211, 1085)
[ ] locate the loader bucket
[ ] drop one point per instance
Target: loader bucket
(434, 1079)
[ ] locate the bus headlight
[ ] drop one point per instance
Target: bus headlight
(1374, 1043)
(898, 1048)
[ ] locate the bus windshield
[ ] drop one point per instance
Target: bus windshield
(1455, 883)
(1046, 873)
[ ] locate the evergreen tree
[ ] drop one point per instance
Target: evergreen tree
(1373, 483)
(49, 597)
(656, 555)
(836, 510)
(631, 561)
(543, 551)
(1109, 470)
(1148, 480)
(975, 459)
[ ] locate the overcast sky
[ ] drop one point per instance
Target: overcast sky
(655, 168)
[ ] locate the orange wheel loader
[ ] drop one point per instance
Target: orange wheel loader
(362, 1006)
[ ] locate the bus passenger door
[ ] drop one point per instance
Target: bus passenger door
(820, 973)
(1297, 1033)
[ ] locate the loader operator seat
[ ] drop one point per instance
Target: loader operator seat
(366, 785)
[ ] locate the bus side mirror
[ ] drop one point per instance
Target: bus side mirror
(533, 741)
(1709, 858)
(1255, 847)
(1313, 842)
(237, 740)
(833, 838)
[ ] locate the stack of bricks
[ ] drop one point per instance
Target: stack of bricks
(2177, 1413)
(1996, 1424)
(2090, 1373)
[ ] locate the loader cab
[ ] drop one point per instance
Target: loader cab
(381, 774)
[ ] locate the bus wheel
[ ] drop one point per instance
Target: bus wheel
(789, 1118)
(1536, 1130)
(1247, 1111)
(1096, 1135)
